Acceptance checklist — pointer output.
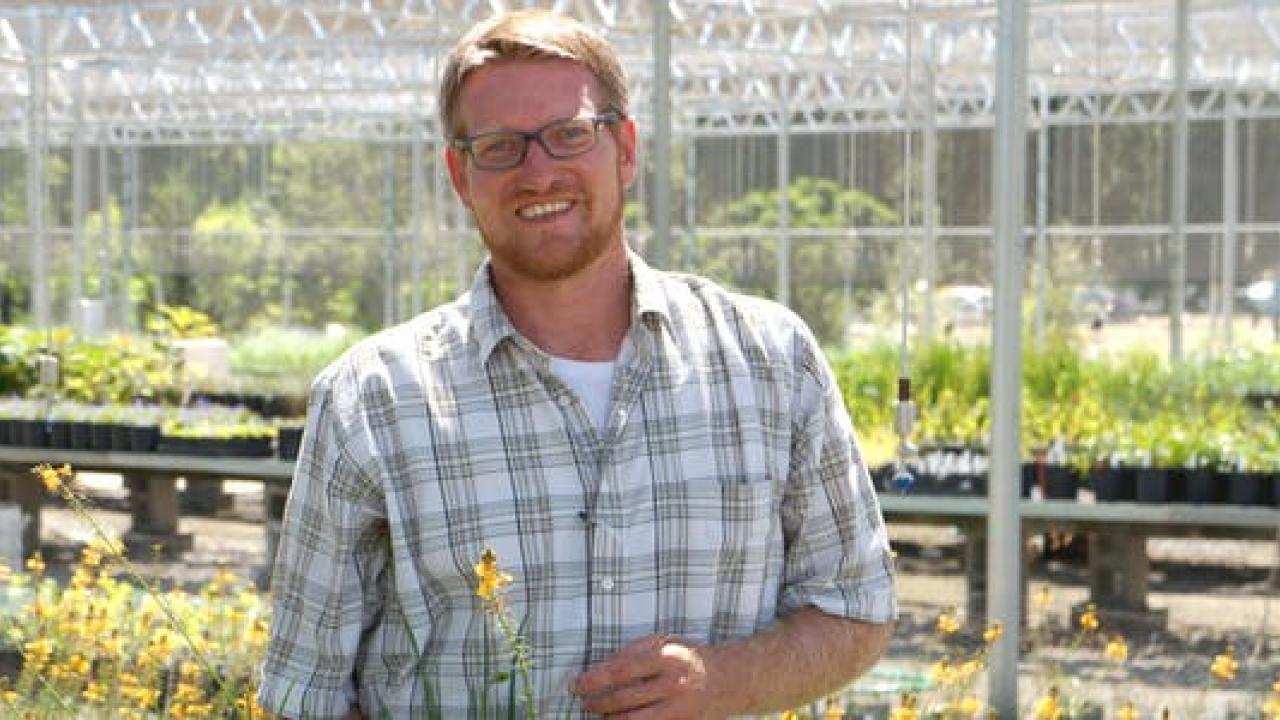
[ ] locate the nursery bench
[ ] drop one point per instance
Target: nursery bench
(1118, 562)
(151, 479)
(1118, 531)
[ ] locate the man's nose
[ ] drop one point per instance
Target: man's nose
(536, 156)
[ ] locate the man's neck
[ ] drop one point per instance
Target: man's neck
(583, 317)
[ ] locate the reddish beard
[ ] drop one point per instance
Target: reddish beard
(527, 260)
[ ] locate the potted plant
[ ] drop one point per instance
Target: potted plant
(1111, 473)
(289, 438)
(1250, 473)
(1152, 474)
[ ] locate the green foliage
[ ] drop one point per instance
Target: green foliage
(1130, 406)
(751, 265)
(17, 359)
(181, 323)
(287, 359)
(120, 369)
(814, 203)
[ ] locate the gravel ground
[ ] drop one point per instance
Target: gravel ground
(1215, 592)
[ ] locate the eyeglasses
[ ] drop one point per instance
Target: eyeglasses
(505, 149)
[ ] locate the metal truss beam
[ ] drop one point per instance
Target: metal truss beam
(227, 71)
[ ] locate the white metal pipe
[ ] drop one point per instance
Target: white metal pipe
(1178, 186)
(784, 203)
(1230, 205)
(104, 226)
(929, 198)
(388, 235)
(417, 181)
(37, 74)
(1004, 538)
(131, 189)
(660, 242)
(79, 203)
(1042, 216)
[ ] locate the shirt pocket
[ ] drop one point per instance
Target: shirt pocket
(732, 518)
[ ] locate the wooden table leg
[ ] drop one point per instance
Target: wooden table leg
(1118, 570)
(153, 504)
(24, 489)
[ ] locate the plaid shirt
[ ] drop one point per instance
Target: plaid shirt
(727, 490)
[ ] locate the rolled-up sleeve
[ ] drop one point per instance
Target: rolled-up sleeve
(332, 554)
(837, 555)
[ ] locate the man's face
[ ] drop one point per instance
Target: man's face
(545, 219)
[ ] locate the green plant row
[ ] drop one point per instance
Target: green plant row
(126, 369)
(1130, 407)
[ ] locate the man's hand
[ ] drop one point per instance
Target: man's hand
(653, 677)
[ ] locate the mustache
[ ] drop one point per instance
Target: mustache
(555, 191)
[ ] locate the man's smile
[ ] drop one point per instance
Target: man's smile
(539, 211)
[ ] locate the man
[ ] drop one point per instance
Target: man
(665, 469)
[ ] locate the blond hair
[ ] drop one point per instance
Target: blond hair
(526, 35)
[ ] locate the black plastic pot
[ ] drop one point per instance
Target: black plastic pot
(1112, 484)
(59, 434)
(1056, 482)
(100, 437)
(969, 484)
(1204, 486)
(289, 439)
(215, 447)
(1249, 488)
(143, 438)
(1030, 472)
(1152, 485)
(31, 433)
(80, 435)
(1059, 482)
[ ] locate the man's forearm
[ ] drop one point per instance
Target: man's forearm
(806, 655)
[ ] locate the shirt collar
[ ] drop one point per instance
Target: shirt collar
(490, 324)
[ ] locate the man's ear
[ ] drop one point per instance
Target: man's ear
(458, 174)
(627, 146)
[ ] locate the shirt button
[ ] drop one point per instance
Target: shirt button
(606, 583)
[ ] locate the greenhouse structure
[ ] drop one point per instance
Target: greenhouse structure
(910, 167)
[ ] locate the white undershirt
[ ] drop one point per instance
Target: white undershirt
(592, 382)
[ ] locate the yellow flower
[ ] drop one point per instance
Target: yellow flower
(109, 547)
(1089, 619)
(941, 673)
(790, 715)
(1117, 649)
(490, 578)
(1127, 711)
(833, 711)
(95, 692)
(1043, 597)
(1048, 707)
(993, 633)
(36, 565)
(1224, 666)
(90, 557)
(49, 476)
(970, 706)
(906, 709)
(947, 623)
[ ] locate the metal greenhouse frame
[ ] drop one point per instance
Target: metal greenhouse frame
(99, 76)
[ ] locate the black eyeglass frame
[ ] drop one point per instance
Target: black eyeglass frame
(605, 118)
